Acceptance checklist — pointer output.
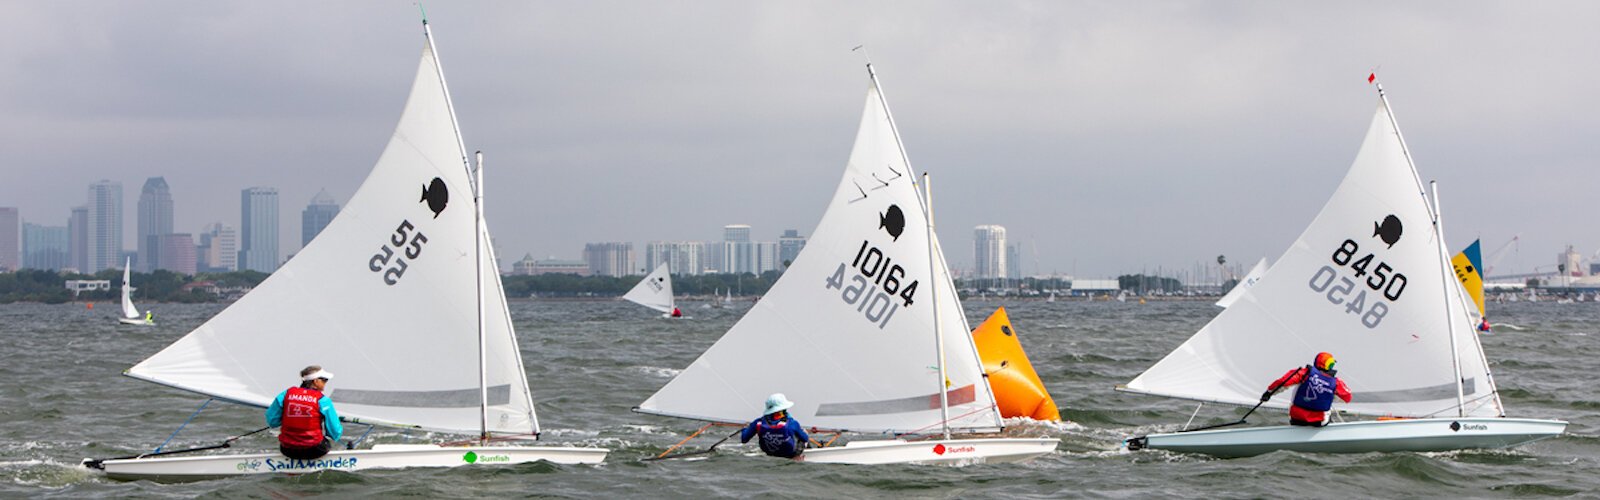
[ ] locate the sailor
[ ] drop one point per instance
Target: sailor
(1318, 386)
(676, 313)
(310, 424)
(781, 436)
(150, 316)
(1483, 325)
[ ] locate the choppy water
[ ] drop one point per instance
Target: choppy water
(62, 399)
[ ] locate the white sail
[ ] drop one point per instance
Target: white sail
(385, 297)
(654, 291)
(1249, 280)
(1366, 282)
(848, 332)
(128, 310)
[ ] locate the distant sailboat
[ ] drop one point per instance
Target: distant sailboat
(655, 292)
(130, 314)
(399, 296)
(1468, 266)
(864, 309)
(1346, 287)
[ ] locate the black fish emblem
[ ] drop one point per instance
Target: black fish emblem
(892, 221)
(1389, 230)
(436, 195)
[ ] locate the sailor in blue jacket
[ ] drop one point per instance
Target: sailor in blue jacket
(781, 436)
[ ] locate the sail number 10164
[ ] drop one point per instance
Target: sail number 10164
(876, 286)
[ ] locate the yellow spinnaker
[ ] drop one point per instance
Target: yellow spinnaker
(1017, 389)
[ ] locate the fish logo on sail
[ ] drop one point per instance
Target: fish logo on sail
(1389, 230)
(437, 196)
(892, 221)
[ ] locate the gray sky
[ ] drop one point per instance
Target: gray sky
(1110, 136)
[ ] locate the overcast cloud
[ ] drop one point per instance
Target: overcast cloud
(1109, 136)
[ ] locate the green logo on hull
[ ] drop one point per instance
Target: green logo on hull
(470, 457)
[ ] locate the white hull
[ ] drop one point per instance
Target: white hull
(933, 452)
(379, 457)
(1426, 434)
(134, 321)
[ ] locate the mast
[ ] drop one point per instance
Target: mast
(933, 293)
(477, 224)
(1444, 258)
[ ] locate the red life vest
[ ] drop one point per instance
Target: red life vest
(302, 418)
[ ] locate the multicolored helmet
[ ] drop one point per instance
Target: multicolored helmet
(1324, 361)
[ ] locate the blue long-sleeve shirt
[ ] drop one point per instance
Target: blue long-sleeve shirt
(331, 428)
(782, 438)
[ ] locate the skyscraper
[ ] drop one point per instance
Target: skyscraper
(105, 226)
(78, 239)
(681, 257)
(610, 259)
(316, 216)
(738, 253)
(155, 220)
(258, 218)
(218, 251)
(989, 252)
(789, 246)
(10, 239)
(44, 247)
(177, 252)
(1014, 261)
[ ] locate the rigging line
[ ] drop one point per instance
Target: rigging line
(185, 424)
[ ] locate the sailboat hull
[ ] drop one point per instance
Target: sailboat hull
(134, 321)
(933, 452)
(379, 457)
(1417, 435)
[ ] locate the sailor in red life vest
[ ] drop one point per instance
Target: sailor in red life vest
(1314, 397)
(310, 425)
(676, 313)
(1483, 326)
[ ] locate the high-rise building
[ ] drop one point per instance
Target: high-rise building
(44, 247)
(789, 246)
(610, 259)
(766, 257)
(258, 235)
(177, 252)
(738, 253)
(316, 216)
(1014, 261)
(105, 226)
(155, 220)
(989, 252)
(681, 257)
(78, 239)
(218, 251)
(10, 239)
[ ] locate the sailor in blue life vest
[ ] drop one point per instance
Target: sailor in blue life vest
(310, 425)
(1318, 386)
(781, 436)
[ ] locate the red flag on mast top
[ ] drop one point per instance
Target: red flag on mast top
(1372, 77)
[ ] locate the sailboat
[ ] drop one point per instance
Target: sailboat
(130, 314)
(1249, 280)
(400, 297)
(862, 314)
(655, 292)
(1369, 281)
(1468, 268)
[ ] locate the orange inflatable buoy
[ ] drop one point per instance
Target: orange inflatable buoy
(1017, 389)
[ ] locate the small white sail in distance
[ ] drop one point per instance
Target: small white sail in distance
(851, 349)
(385, 297)
(654, 291)
(1362, 282)
(1244, 284)
(128, 310)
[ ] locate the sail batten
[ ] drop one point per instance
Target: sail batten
(386, 297)
(1362, 282)
(855, 312)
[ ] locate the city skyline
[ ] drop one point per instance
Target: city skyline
(1106, 137)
